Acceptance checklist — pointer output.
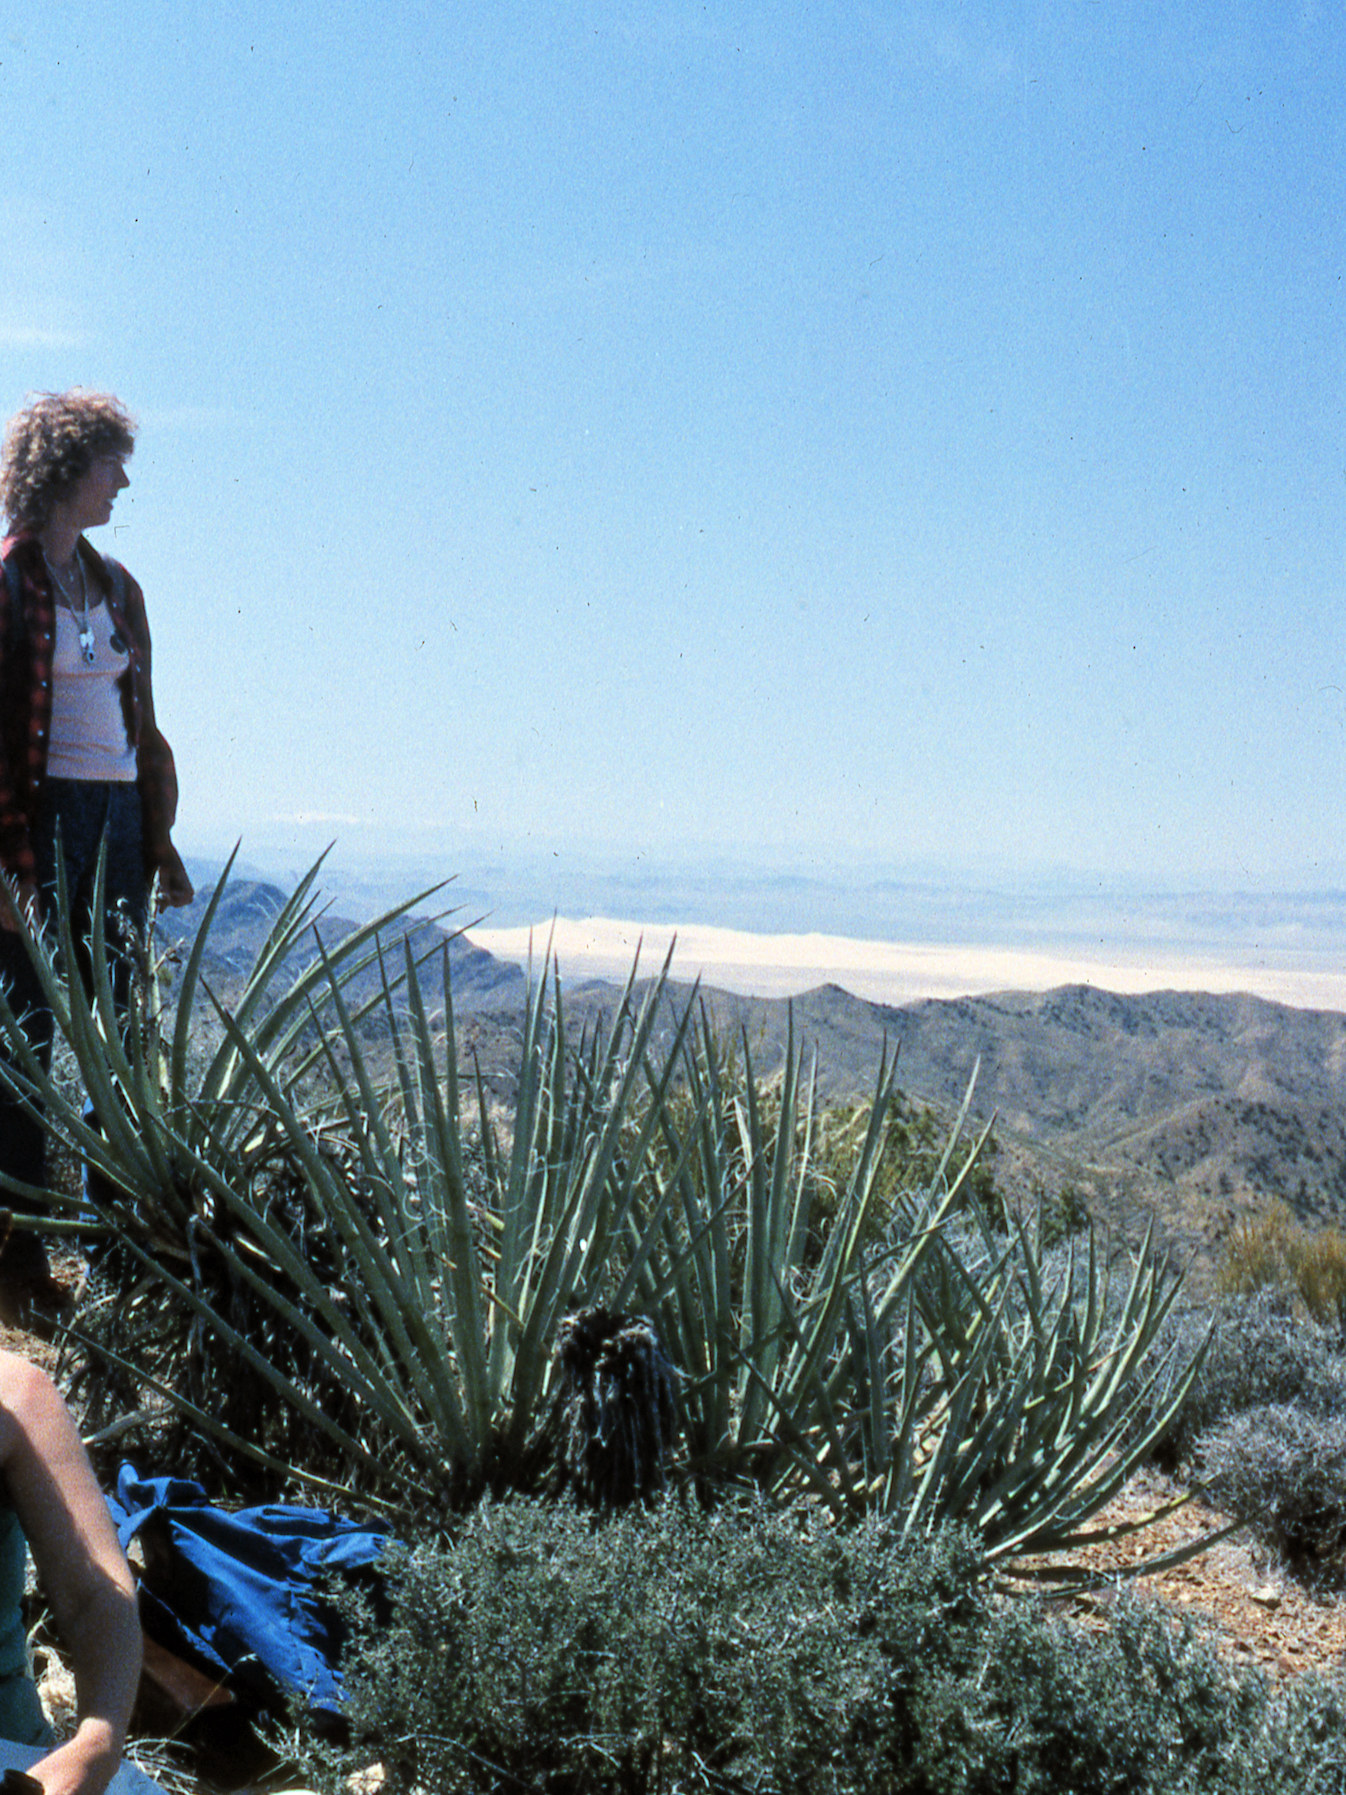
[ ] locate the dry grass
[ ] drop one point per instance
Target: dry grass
(1276, 1251)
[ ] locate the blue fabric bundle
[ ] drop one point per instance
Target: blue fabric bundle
(242, 1594)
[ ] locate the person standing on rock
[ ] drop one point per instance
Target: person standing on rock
(82, 761)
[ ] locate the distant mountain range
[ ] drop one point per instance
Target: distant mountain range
(1191, 1107)
(249, 907)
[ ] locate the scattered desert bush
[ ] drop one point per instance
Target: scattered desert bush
(745, 1649)
(1257, 1352)
(886, 1382)
(1282, 1468)
(361, 1284)
(1060, 1214)
(1257, 1255)
(1146, 1702)
(1262, 1427)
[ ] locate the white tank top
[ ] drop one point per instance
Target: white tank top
(88, 730)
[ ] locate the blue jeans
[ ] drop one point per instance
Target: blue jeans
(81, 815)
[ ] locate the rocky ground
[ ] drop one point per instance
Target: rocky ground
(1262, 1613)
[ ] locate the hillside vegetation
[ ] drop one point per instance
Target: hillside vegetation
(1187, 1107)
(506, 1271)
(1191, 1109)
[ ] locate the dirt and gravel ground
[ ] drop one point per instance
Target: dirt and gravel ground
(1264, 1614)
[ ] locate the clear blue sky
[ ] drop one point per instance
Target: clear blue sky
(905, 434)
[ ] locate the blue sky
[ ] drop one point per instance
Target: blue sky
(881, 435)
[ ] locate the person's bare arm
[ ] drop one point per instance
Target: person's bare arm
(82, 1569)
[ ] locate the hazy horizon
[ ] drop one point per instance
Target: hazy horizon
(777, 932)
(787, 965)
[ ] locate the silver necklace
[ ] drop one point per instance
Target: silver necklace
(81, 615)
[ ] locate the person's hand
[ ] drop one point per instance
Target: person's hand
(175, 888)
(84, 1765)
(25, 893)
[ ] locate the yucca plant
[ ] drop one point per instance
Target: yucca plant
(381, 1267)
(960, 1374)
(170, 1115)
(753, 1270)
(1012, 1396)
(180, 1136)
(394, 1279)
(347, 1285)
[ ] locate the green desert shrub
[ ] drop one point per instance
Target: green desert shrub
(1059, 1214)
(1143, 1704)
(746, 1649)
(1282, 1468)
(1262, 1428)
(668, 1648)
(1257, 1352)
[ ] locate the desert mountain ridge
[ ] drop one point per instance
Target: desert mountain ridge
(1193, 1107)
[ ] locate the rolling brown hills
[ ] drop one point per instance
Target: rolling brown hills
(1191, 1108)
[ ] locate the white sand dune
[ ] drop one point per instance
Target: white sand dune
(895, 972)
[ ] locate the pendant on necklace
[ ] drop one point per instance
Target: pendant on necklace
(86, 643)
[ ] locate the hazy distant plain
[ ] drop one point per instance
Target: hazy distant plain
(893, 972)
(889, 935)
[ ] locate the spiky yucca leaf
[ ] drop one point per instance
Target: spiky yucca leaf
(1019, 1405)
(750, 1286)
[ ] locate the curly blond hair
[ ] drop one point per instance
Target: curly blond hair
(52, 443)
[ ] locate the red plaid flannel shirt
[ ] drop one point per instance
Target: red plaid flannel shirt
(25, 707)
